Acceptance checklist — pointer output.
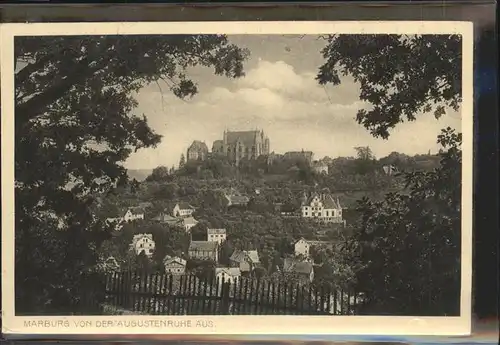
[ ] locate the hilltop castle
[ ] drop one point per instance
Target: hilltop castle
(197, 151)
(242, 144)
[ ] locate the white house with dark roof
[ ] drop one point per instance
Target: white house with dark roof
(143, 243)
(303, 247)
(133, 213)
(125, 216)
(216, 235)
(174, 265)
(182, 209)
(246, 260)
(322, 207)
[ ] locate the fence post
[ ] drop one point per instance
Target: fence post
(225, 298)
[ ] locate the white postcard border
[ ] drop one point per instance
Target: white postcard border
(353, 325)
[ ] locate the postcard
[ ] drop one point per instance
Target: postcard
(237, 178)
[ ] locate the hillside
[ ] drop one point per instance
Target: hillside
(139, 174)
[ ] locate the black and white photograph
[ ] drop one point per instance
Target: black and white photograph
(179, 174)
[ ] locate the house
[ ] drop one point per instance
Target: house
(216, 235)
(246, 260)
(322, 207)
(174, 265)
(143, 243)
(237, 200)
(299, 156)
(197, 151)
(168, 219)
(389, 169)
(320, 167)
(301, 270)
(188, 223)
(228, 274)
(133, 213)
(182, 209)
(303, 247)
(127, 215)
(204, 250)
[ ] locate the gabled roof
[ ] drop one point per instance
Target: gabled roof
(330, 202)
(245, 137)
(242, 255)
(139, 237)
(185, 206)
(253, 255)
(134, 210)
(168, 260)
(314, 242)
(202, 246)
(189, 221)
(327, 200)
(199, 146)
(230, 271)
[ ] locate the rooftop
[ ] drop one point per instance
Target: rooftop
(198, 145)
(327, 200)
(169, 260)
(189, 221)
(241, 255)
(185, 206)
(216, 231)
(202, 246)
(230, 271)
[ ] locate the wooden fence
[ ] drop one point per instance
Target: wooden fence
(161, 294)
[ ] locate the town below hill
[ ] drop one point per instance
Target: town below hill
(282, 220)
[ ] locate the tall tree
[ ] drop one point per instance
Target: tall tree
(409, 244)
(159, 174)
(364, 153)
(75, 122)
(182, 161)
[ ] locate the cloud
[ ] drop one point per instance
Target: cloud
(289, 105)
(277, 76)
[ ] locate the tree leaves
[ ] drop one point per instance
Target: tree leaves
(414, 240)
(75, 125)
(410, 242)
(399, 76)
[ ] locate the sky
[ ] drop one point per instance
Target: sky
(280, 96)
